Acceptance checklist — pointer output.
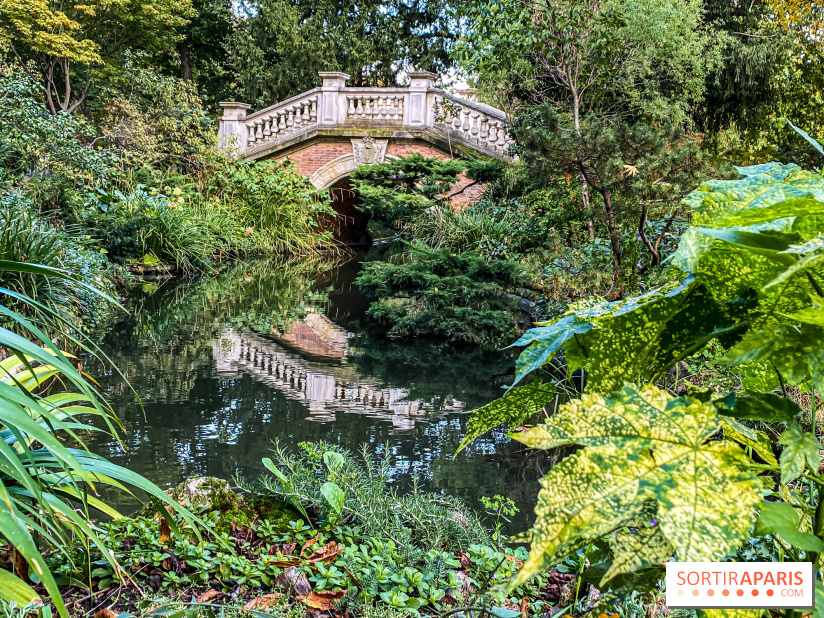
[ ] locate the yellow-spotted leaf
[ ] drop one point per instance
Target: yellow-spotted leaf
(641, 445)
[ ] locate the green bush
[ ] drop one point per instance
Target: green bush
(459, 298)
(281, 207)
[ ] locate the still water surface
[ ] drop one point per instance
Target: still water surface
(227, 365)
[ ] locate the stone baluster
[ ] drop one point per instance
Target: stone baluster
(274, 128)
(258, 130)
(475, 130)
(466, 126)
(456, 121)
(484, 134)
(382, 107)
(493, 134)
(298, 117)
(350, 111)
(359, 110)
(281, 121)
(290, 120)
(251, 139)
(313, 112)
(502, 136)
(306, 116)
(267, 124)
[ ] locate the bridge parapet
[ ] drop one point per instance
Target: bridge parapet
(420, 110)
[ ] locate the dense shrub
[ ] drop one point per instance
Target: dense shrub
(460, 298)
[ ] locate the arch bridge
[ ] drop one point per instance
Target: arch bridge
(329, 131)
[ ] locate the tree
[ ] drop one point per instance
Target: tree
(280, 46)
(201, 55)
(606, 59)
(66, 45)
(632, 166)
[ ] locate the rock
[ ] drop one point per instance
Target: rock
(205, 491)
(293, 581)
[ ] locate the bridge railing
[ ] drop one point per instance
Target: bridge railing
(419, 107)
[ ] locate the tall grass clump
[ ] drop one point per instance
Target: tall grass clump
(459, 230)
(417, 520)
(277, 206)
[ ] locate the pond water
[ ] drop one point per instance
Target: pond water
(265, 352)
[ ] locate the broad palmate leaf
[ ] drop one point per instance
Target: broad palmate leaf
(640, 445)
(514, 408)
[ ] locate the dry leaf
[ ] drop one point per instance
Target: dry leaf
(263, 603)
(323, 599)
(285, 564)
(309, 544)
(105, 613)
(207, 596)
(326, 553)
(165, 531)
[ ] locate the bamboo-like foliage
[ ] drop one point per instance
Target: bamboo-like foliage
(46, 488)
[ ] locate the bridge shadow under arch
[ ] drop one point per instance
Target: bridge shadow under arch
(349, 224)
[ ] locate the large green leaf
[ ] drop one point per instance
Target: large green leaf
(12, 588)
(642, 548)
(800, 448)
(640, 445)
(514, 409)
(766, 407)
(782, 519)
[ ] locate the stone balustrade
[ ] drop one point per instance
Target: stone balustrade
(336, 109)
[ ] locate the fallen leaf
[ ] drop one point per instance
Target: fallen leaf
(322, 599)
(105, 613)
(207, 596)
(285, 564)
(309, 544)
(326, 553)
(263, 603)
(165, 531)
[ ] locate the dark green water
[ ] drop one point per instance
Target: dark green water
(264, 352)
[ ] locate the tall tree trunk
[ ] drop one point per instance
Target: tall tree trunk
(576, 114)
(614, 237)
(185, 61)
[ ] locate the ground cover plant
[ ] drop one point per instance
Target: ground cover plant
(698, 470)
(323, 532)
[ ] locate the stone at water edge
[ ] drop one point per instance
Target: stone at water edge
(205, 491)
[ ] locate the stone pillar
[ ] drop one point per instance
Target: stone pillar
(232, 132)
(421, 97)
(331, 103)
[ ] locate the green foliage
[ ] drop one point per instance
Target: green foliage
(279, 47)
(418, 553)
(397, 190)
(751, 285)
(515, 408)
(460, 298)
(45, 153)
(48, 489)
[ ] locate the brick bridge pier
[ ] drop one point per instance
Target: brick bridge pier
(329, 131)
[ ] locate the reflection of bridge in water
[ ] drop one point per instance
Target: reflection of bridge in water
(305, 365)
